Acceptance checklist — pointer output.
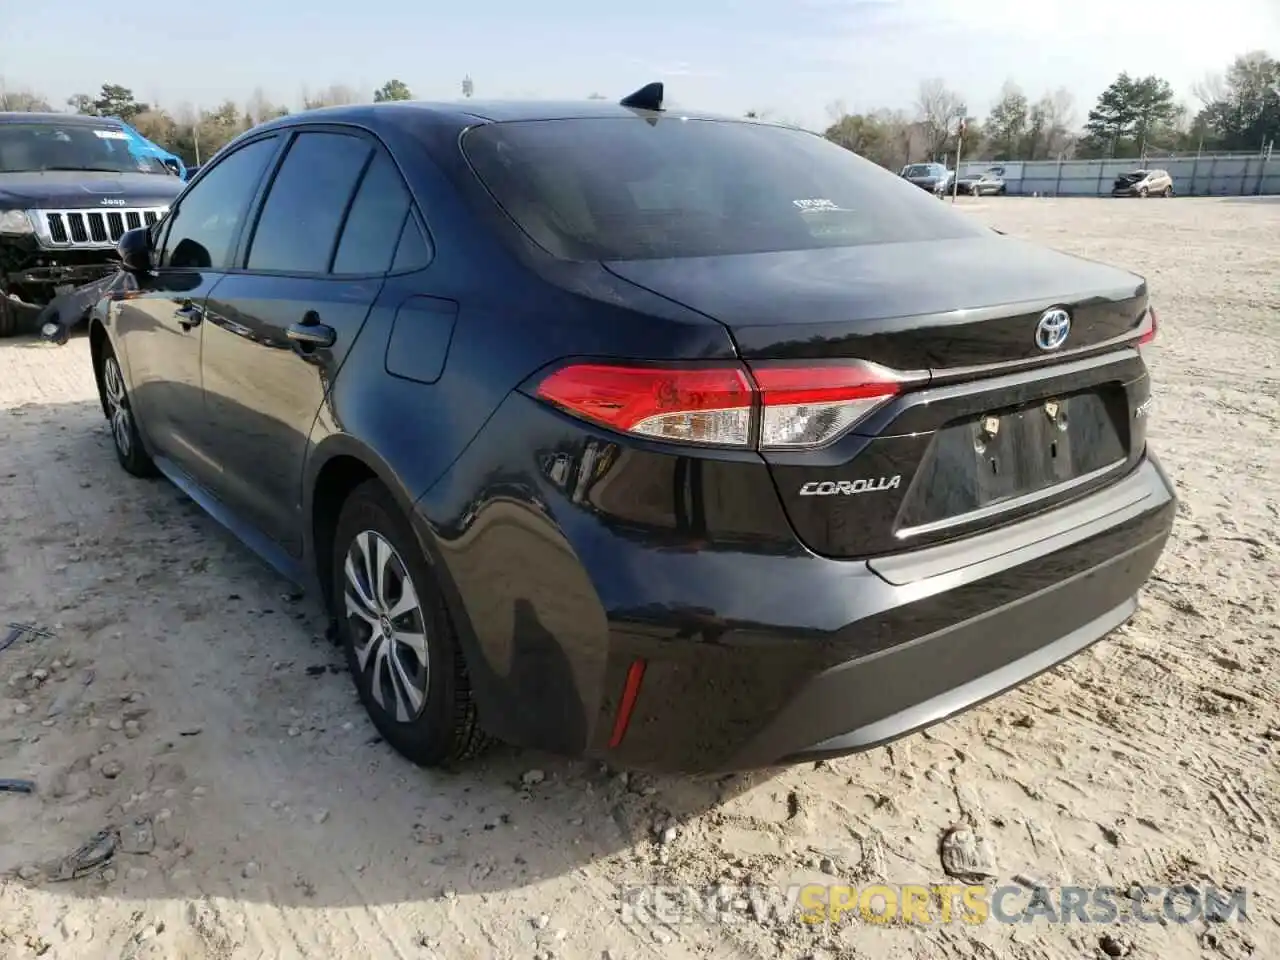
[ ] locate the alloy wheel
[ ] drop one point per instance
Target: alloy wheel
(117, 406)
(387, 626)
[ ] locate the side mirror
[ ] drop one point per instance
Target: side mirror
(134, 250)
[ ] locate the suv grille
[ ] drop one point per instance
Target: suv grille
(91, 228)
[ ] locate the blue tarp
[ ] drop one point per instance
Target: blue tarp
(140, 146)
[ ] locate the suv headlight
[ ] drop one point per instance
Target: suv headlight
(15, 223)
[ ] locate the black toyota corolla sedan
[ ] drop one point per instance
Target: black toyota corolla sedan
(686, 443)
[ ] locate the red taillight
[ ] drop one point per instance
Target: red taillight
(801, 405)
(807, 406)
(705, 405)
(1148, 328)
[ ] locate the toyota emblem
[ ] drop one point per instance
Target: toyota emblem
(1052, 330)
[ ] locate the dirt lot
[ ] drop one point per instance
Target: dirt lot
(188, 700)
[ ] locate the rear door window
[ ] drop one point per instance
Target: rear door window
(304, 209)
(626, 188)
(373, 226)
(413, 252)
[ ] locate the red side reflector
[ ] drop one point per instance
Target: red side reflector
(1149, 327)
(629, 693)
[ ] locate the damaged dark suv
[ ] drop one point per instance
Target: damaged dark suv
(70, 186)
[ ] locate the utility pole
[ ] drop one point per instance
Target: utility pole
(955, 181)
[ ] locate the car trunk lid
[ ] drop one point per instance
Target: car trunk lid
(912, 306)
(990, 427)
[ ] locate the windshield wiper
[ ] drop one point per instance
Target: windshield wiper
(78, 169)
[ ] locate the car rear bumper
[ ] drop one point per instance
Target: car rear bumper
(752, 660)
(962, 624)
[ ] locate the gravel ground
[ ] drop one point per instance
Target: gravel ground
(187, 702)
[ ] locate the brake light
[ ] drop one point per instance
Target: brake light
(1148, 328)
(808, 406)
(707, 405)
(801, 405)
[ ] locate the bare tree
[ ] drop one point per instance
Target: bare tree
(1212, 89)
(260, 108)
(334, 95)
(939, 110)
(21, 100)
(1060, 120)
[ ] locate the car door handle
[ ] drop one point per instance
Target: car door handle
(311, 333)
(188, 315)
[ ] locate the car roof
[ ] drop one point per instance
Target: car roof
(465, 113)
(66, 119)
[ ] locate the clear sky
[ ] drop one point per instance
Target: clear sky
(789, 57)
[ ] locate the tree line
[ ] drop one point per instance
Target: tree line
(196, 134)
(1134, 117)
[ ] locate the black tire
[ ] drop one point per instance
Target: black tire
(8, 322)
(125, 436)
(443, 728)
(12, 316)
(1143, 193)
(1168, 192)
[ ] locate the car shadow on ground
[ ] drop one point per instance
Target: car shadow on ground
(194, 708)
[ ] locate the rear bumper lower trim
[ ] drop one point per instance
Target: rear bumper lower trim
(976, 691)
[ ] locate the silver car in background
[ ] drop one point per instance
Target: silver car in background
(1143, 183)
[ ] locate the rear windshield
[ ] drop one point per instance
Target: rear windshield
(921, 170)
(630, 189)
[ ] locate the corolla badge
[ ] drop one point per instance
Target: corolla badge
(112, 202)
(1052, 330)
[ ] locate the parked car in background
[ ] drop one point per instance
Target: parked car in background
(1143, 183)
(934, 177)
(681, 442)
(70, 186)
(981, 184)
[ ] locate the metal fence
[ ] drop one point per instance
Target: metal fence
(1207, 176)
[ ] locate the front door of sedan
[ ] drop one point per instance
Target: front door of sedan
(278, 330)
(159, 325)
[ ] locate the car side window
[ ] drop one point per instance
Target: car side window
(414, 252)
(303, 211)
(375, 222)
(201, 232)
